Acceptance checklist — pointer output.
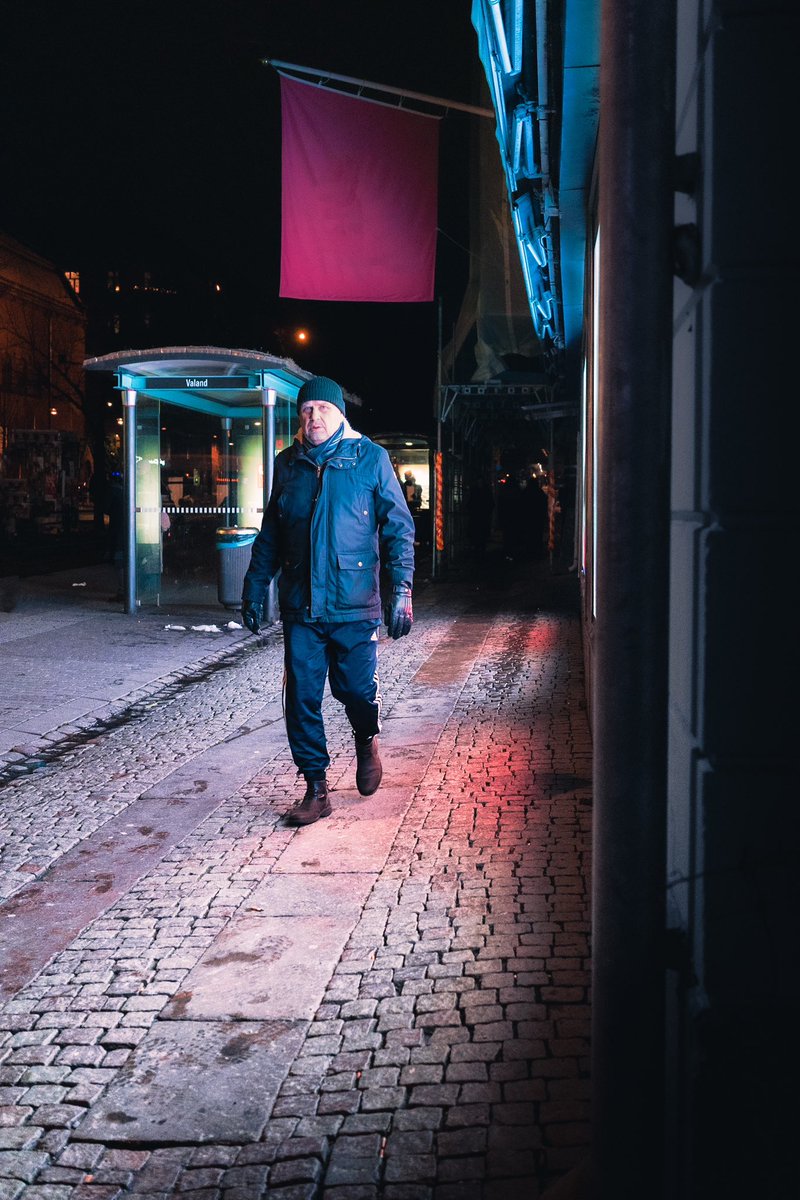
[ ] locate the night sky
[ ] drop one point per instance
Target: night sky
(149, 132)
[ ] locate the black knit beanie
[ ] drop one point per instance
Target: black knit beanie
(321, 389)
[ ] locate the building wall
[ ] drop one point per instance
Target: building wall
(42, 345)
(688, 346)
(730, 850)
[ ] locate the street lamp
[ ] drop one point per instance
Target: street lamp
(291, 339)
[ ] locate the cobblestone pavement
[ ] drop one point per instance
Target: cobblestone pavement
(445, 1051)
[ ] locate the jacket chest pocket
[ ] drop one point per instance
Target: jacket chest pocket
(351, 495)
(356, 579)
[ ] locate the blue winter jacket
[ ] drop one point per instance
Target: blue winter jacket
(322, 529)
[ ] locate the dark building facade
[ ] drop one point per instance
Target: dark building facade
(661, 282)
(42, 395)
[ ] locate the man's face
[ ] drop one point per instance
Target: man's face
(319, 421)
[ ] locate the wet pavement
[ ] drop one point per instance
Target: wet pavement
(196, 998)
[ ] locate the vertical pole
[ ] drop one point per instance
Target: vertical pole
(49, 372)
(268, 398)
(436, 490)
(438, 499)
(226, 466)
(455, 523)
(129, 451)
(551, 538)
(636, 153)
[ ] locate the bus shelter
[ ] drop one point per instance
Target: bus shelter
(252, 394)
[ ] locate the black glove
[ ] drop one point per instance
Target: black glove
(398, 613)
(252, 615)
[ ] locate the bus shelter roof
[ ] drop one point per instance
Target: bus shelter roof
(206, 379)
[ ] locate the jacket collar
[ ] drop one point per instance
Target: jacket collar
(349, 434)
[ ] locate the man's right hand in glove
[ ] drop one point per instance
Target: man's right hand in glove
(252, 615)
(398, 613)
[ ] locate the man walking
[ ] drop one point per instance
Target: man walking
(335, 499)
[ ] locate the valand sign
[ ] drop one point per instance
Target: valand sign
(212, 383)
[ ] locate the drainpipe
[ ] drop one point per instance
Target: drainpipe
(636, 148)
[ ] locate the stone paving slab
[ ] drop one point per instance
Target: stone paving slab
(99, 682)
(221, 770)
(456, 655)
(90, 681)
(295, 895)
(425, 707)
(234, 1070)
(264, 968)
(356, 837)
(34, 713)
(401, 760)
(401, 733)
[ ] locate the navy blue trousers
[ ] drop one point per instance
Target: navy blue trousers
(347, 654)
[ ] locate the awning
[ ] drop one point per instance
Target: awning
(206, 379)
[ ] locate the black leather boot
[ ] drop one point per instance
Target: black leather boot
(369, 771)
(315, 804)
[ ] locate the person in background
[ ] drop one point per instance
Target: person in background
(412, 492)
(335, 500)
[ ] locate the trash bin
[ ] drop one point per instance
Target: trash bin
(233, 548)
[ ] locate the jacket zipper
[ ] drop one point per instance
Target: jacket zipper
(319, 468)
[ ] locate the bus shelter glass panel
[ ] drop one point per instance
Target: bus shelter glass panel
(149, 554)
(286, 423)
(196, 500)
(196, 473)
(247, 497)
(246, 472)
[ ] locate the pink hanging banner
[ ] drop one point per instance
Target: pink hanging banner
(359, 198)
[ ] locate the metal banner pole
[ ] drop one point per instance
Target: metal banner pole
(268, 399)
(437, 523)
